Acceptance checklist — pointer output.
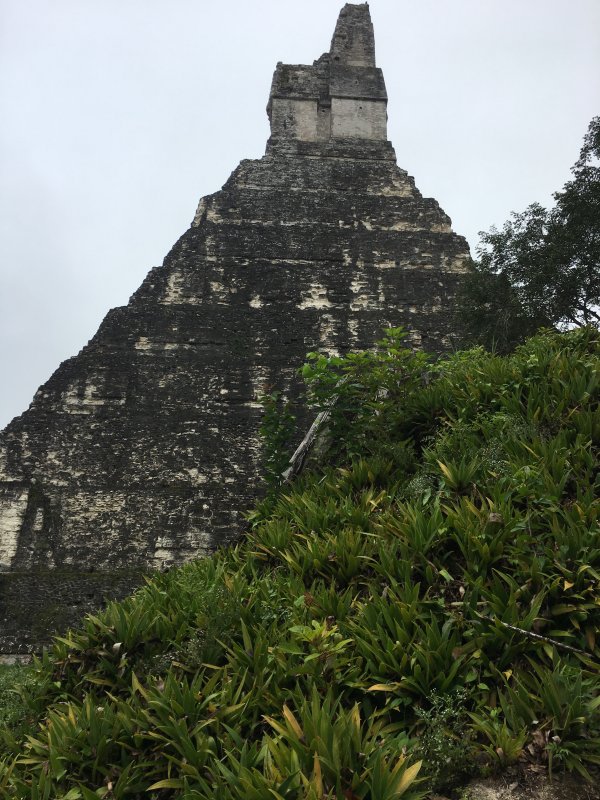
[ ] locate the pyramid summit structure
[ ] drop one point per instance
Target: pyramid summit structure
(142, 451)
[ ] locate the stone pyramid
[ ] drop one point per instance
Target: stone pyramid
(142, 450)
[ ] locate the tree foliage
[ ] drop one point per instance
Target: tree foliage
(542, 269)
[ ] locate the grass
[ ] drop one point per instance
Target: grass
(424, 605)
(15, 683)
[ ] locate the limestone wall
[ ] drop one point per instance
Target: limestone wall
(297, 118)
(363, 119)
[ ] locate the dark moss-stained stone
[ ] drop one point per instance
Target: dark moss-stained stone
(142, 451)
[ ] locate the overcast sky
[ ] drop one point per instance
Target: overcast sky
(118, 115)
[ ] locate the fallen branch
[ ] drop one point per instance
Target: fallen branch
(540, 638)
(296, 462)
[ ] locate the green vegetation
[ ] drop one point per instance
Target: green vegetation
(543, 268)
(277, 431)
(424, 605)
(14, 681)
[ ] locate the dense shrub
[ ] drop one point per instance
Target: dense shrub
(426, 601)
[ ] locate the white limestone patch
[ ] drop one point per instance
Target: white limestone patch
(93, 394)
(174, 289)
(353, 328)
(4, 474)
(406, 225)
(212, 215)
(398, 187)
(326, 332)
(405, 265)
(209, 245)
(197, 478)
(13, 503)
(398, 225)
(458, 264)
(143, 343)
(167, 551)
(260, 381)
(76, 401)
(316, 297)
(38, 522)
(402, 225)
(200, 211)
(11, 659)
(221, 292)
(278, 261)
(362, 299)
(356, 285)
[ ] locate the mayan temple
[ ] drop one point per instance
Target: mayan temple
(142, 451)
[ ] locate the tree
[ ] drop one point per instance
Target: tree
(543, 268)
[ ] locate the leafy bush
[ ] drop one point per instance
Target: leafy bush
(276, 430)
(14, 681)
(445, 744)
(426, 600)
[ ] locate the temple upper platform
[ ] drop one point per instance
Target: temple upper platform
(342, 95)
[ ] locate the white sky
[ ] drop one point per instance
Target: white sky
(116, 116)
